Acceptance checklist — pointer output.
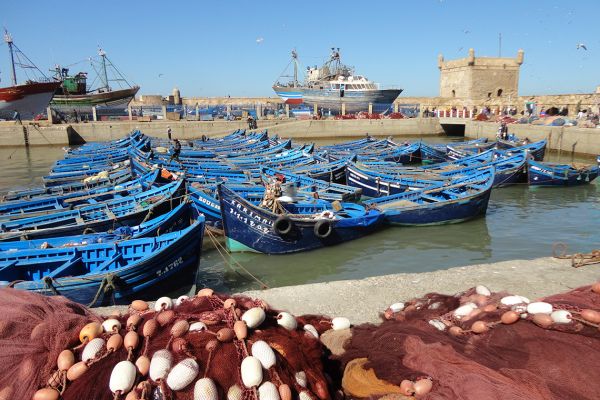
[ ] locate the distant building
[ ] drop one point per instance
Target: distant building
(478, 79)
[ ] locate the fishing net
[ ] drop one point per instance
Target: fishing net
(480, 346)
(198, 328)
(33, 331)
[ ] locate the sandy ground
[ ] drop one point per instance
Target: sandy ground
(362, 300)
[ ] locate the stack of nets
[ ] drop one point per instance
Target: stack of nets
(480, 345)
(204, 347)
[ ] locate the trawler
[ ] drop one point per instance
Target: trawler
(332, 85)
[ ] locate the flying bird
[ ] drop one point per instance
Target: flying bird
(160, 75)
(581, 46)
(466, 31)
(259, 40)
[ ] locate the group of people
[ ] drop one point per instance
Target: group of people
(252, 122)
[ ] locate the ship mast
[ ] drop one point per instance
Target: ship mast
(295, 58)
(8, 39)
(102, 54)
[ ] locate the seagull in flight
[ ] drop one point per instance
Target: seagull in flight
(160, 75)
(581, 46)
(259, 40)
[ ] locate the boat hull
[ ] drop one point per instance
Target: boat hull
(28, 100)
(539, 174)
(85, 102)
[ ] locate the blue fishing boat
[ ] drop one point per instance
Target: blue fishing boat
(462, 200)
(536, 149)
(551, 174)
(250, 228)
(104, 273)
(431, 154)
(101, 217)
(400, 154)
(174, 220)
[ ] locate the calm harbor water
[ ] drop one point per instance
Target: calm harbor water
(521, 223)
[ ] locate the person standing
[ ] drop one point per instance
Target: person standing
(17, 117)
(176, 151)
(169, 132)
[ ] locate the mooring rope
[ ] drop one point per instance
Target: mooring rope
(559, 250)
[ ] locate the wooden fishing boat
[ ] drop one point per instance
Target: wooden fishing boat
(400, 154)
(431, 154)
(64, 178)
(537, 150)
(551, 174)
(101, 217)
(176, 219)
(508, 170)
(462, 200)
(104, 273)
(250, 228)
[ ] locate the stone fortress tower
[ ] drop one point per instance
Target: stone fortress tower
(475, 80)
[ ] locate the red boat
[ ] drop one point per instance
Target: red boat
(28, 99)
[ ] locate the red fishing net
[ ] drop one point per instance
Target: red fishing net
(36, 329)
(529, 356)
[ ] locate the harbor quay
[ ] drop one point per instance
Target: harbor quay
(567, 139)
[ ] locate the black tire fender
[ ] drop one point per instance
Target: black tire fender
(323, 228)
(283, 225)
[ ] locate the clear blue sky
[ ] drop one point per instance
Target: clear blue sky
(210, 48)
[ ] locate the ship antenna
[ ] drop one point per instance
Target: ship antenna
(102, 54)
(8, 39)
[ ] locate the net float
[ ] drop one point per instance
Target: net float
(165, 317)
(179, 345)
(264, 353)
(285, 393)
(490, 308)
(241, 330)
(133, 321)
(304, 395)
(407, 387)
(111, 325)
(150, 328)
(464, 310)
(77, 370)
(181, 299)
(287, 320)
(114, 342)
(92, 349)
(143, 365)
(397, 307)
(211, 345)
(205, 389)
(164, 303)
(197, 327)
(312, 330)
(300, 378)
(46, 394)
(510, 317)
(160, 364)
(131, 341)
(254, 317)
(180, 328)
(479, 327)
(206, 292)
(592, 316)
(132, 396)
(225, 335)
(437, 324)
(65, 360)
(183, 374)
(139, 305)
(235, 393)
(512, 300)
(423, 386)
(596, 287)
(455, 331)
(561, 317)
(539, 307)
(483, 290)
(268, 391)
(229, 303)
(339, 323)
(251, 371)
(122, 377)
(475, 312)
(90, 332)
(542, 320)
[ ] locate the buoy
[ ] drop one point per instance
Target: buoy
(122, 377)
(264, 353)
(241, 330)
(90, 331)
(164, 303)
(92, 348)
(312, 330)
(205, 389)
(131, 341)
(482, 290)
(479, 327)
(46, 394)
(268, 391)
(300, 377)
(592, 316)
(111, 325)
(183, 374)
(509, 317)
(160, 365)
(340, 323)
(234, 393)
(197, 327)
(65, 360)
(133, 321)
(437, 324)
(139, 305)
(180, 300)
(423, 386)
(561, 317)
(143, 365)
(539, 307)
(251, 371)
(287, 320)
(254, 317)
(77, 370)
(206, 292)
(114, 342)
(464, 310)
(180, 328)
(397, 307)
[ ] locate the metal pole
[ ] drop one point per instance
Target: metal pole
(500, 45)
(9, 41)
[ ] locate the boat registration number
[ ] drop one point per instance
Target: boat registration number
(170, 267)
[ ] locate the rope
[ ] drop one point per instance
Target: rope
(106, 286)
(559, 250)
(220, 247)
(48, 281)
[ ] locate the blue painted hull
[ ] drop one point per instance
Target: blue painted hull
(547, 174)
(250, 228)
